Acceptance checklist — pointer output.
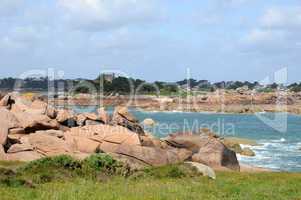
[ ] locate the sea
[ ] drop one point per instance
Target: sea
(278, 135)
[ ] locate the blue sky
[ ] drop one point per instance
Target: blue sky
(152, 39)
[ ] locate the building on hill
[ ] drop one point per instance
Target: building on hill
(109, 77)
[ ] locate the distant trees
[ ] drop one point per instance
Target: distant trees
(109, 84)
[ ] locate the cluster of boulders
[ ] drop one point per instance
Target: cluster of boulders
(32, 129)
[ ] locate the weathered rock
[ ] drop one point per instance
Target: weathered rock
(55, 133)
(247, 152)
(234, 147)
(87, 119)
(81, 119)
(33, 122)
(152, 156)
(207, 149)
(150, 142)
(132, 163)
(123, 118)
(215, 154)
(38, 107)
(111, 134)
(2, 153)
(203, 169)
(48, 145)
(185, 140)
(103, 115)
(66, 117)
(208, 132)
(5, 101)
(82, 144)
(108, 147)
(24, 156)
(149, 122)
(16, 131)
(19, 148)
(51, 112)
(123, 112)
(7, 122)
(92, 122)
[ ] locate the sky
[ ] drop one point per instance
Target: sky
(152, 39)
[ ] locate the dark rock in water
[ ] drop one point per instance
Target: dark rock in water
(247, 152)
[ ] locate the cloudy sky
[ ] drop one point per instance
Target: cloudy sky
(152, 39)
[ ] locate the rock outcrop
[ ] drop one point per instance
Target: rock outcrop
(31, 129)
(123, 117)
(207, 150)
(7, 121)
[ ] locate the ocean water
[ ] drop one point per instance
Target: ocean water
(278, 135)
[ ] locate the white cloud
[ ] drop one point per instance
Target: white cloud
(288, 17)
(105, 14)
(278, 30)
(259, 36)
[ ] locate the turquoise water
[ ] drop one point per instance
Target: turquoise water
(279, 145)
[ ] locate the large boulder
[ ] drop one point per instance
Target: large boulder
(81, 144)
(25, 156)
(123, 117)
(51, 132)
(215, 154)
(106, 133)
(38, 107)
(6, 101)
(7, 121)
(153, 156)
(48, 145)
(88, 119)
(66, 117)
(33, 122)
(123, 112)
(207, 149)
(15, 148)
(187, 140)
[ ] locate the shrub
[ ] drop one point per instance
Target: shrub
(64, 161)
(101, 163)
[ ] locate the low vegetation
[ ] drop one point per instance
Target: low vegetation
(101, 177)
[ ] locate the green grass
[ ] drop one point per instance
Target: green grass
(69, 179)
(227, 186)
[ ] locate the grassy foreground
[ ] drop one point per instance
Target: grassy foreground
(171, 182)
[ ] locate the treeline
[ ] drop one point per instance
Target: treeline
(124, 85)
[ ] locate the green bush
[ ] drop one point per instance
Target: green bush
(101, 163)
(64, 162)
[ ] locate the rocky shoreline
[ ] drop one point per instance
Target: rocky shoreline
(31, 129)
(226, 103)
